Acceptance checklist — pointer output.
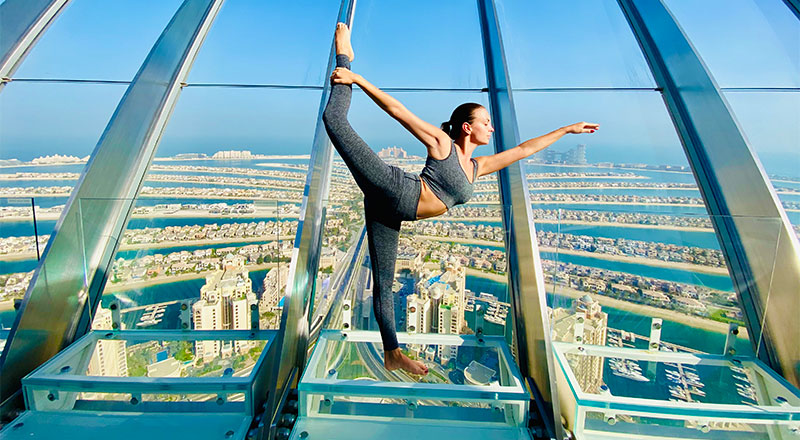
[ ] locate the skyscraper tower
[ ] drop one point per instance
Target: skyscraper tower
(224, 304)
(585, 323)
(109, 357)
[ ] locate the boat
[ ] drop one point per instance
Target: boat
(147, 323)
(628, 369)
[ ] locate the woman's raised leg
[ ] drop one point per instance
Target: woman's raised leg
(370, 172)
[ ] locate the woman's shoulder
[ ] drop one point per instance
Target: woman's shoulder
(442, 150)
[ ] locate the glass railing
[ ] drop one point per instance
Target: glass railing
(195, 262)
(472, 380)
(23, 237)
(159, 371)
(625, 269)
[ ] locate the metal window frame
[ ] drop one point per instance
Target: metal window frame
(301, 284)
(734, 186)
(794, 5)
(72, 272)
(22, 22)
(527, 287)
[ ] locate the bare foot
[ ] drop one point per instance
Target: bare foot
(342, 40)
(395, 359)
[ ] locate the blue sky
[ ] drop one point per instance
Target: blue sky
(576, 43)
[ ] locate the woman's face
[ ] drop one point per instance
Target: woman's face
(481, 127)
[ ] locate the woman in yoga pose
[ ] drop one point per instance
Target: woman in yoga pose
(392, 195)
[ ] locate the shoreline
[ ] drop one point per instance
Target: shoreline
(120, 287)
(616, 258)
(166, 244)
(647, 188)
(534, 176)
(580, 222)
(184, 213)
(571, 202)
(253, 157)
(114, 288)
(625, 306)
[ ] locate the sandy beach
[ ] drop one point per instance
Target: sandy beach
(536, 177)
(569, 188)
(166, 244)
(111, 288)
(183, 213)
(12, 177)
(270, 185)
(639, 309)
(253, 157)
(620, 258)
(590, 202)
(578, 222)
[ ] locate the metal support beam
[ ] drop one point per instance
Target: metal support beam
(794, 5)
(303, 268)
(525, 274)
(750, 222)
(22, 22)
(68, 283)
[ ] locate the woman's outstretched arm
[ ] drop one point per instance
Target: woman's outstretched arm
(495, 162)
(430, 136)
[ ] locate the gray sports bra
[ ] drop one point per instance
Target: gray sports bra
(447, 179)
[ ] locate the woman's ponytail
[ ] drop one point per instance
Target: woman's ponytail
(447, 127)
(463, 113)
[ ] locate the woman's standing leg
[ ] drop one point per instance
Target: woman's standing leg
(383, 232)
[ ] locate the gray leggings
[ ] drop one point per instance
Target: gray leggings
(390, 196)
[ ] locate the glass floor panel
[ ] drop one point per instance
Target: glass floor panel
(473, 382)
(610, 392)
(155, 371)
(353, 429)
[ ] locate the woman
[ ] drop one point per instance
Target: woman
(392, 195)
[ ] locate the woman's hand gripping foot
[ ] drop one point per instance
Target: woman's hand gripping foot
(395, 359)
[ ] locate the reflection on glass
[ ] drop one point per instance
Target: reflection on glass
(160, 367)
(771, 123)
(749, 43)
(202, 358)
(575, 43)
(447, 363)
(622, 229)
(437, 46)
(257, 42)
(95, 39)
(478, 382)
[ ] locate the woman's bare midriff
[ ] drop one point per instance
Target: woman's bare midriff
(429, 205)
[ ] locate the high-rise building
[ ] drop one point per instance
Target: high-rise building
(224, 304)
(393, 152)
(585, 323)
(418, 313)
(109, 357)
